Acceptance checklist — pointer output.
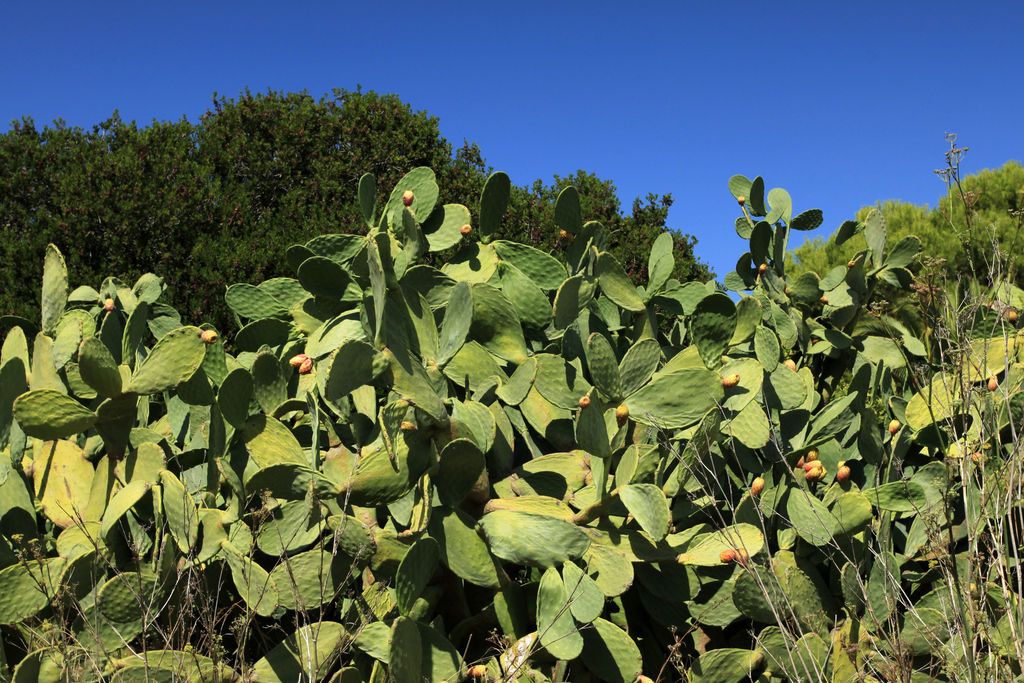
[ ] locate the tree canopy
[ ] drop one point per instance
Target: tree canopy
(265, 170)
(992, 199)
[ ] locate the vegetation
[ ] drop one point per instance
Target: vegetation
(264, 171)
(979, 219)
(513, 467)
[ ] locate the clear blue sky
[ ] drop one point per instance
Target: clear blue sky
(842, 104)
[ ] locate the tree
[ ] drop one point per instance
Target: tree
(992, 199)
(264, 170)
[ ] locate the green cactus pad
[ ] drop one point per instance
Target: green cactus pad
(308, 580)
(495, 324)
(676, 399)
(235, 395)
(422, 183)
(649, 508)
(406, 652)
(712, 326)
(610, 654)
(373, 479)
(493, 201)
(62, 480)
(121, 502)
(750, 426)
(585, 598)
(268, 442)
(55, 288)
(473, 365)
(560, 382)
(541, 505)
(172, 361)
(308, 654)
(252, 582)
(98, 368)
(638, 364)
(529, 300)
(443, 229)
(898, 496)
(49, 414)
(415, 571)
(706, 549)
(352, 365)
(25, 589)
(603, 366)
(458, 317)
(660, 263)
(461, 464)
(290, 527)
(474, 262)
(726, 665)
(463, 551)
(615, 284)
(540, 267)
(253, 303)
(527, 538)
(555, 625)
(129, 596)
(572, 297)
(519, 384)
(179, 511)
(766, 346)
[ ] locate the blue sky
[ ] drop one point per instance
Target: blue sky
(842, 104)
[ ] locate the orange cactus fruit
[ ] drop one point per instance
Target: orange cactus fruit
(843, 474)
(727, 556)
(297, 360)
(894, 426)
(108, 305)
(730, 381)
(584, 402)
(823, 299)
(1011, 317)
(209, 336)
(621, 414)
(306, 366)
(408, 426)
(466, 229)
(993, 384)
(791, 364)
(407, 197)
(812, 455)
(757, 486)
(742, 200)
(762, 268)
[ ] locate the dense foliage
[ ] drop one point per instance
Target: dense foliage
(264, 171)
(512, 467)
(966, 230)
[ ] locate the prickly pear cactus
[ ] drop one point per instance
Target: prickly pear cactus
(432, 455)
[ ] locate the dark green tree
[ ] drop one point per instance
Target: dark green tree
(218, 201)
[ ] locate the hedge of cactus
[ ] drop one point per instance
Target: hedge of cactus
(513, 467)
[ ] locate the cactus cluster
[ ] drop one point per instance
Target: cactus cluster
(509, 467)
